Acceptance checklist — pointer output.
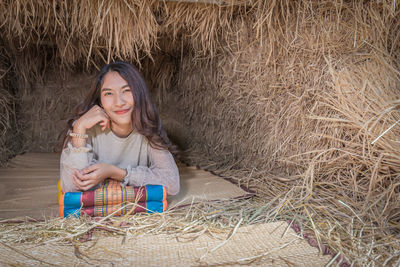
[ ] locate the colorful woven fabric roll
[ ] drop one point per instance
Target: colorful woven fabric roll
(116, 210)
(113, 197)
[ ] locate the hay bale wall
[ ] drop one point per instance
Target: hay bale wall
(10, 133)
(48, 104)
(288, 97)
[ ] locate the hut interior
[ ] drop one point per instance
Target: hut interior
(297, 100)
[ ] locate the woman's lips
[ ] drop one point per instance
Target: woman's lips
(123, 111)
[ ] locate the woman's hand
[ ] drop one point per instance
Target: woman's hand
(95, 174)
(95, 115)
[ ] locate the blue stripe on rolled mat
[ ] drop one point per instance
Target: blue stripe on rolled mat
(154, 193)
(72, 212)
(154, 206)
(72, 199)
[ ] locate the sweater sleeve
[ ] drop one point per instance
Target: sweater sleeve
(74, 158)
(162, 171)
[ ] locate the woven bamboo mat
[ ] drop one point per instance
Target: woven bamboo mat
(272, 244)
(28, 186)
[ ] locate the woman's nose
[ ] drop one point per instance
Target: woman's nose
(120, 100)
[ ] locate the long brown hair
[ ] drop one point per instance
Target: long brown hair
(145, 118)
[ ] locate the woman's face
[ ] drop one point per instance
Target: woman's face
(116, 98)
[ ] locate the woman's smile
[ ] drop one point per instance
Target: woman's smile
(122, 111)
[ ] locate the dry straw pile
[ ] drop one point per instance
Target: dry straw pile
(296, 99)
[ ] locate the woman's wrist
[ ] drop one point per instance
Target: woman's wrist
(118, 173)
(80, 130)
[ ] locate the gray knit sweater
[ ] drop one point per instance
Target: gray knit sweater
(144, 164)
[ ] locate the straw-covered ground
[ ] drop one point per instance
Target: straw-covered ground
(297, 100)
(192, 221)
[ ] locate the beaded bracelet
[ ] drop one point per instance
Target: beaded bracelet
(78, 135)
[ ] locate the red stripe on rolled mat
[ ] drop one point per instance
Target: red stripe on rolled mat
(164, 196)
(61, 206)
(165, 204)
(91, 210)
(88, 210)
(88, 198)
(139, 191)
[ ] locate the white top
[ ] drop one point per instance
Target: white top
(144, 164)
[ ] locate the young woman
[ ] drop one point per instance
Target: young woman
(116, 133)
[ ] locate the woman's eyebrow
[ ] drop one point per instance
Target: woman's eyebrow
(108, 89)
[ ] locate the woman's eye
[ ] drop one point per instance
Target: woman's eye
(107, 94)
(127, 90)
